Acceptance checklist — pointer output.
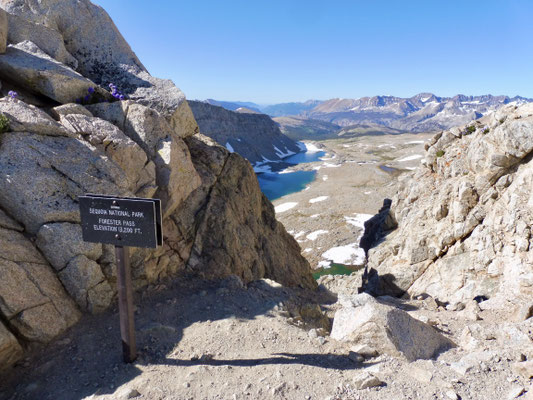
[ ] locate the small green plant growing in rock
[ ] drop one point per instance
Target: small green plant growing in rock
(4, 123)
(470, 129)
(440, 153)
(502, 120)
(486, 130)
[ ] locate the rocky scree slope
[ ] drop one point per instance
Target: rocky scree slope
(216, 220)
(464, 218)
(254, 136)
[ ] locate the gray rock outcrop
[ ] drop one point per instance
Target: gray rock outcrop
(464, 217)
(254, 136)
(216, 220)
(27, 65)
(366, 322)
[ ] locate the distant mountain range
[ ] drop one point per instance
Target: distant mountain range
(424, 112)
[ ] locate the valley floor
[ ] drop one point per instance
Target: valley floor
(353, 179)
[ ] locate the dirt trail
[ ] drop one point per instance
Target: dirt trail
(202, 340)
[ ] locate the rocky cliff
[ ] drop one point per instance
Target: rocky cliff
(254, 136)
(464, 218)
(63, 134)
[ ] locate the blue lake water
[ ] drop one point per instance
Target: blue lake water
(275, 185)
(304, 157)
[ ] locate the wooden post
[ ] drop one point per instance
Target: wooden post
(125, 304)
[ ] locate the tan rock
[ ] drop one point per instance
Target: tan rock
(34, 70)
(10, 349)
(421, 370)
(49, 175)
(70, 108)
(33, 300)
(85, 282)
(479, 246)
(239, 233)
(48, 40)
(3, 31)
(523, 369)
(388, 330)
(366, 380)
(61, 242)
(27, 118)
(125, 152)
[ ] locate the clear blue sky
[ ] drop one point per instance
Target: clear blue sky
(293, 50)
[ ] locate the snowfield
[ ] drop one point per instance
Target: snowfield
(411, 158)
(317, 199)
(348, 254)
(315, 234)
(285, 207)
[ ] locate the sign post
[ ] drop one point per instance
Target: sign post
(123, 222)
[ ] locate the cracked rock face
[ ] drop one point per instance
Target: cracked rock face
(254, 136)
(464, 216)
(216, 220)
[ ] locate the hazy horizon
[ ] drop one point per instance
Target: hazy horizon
(280, 52)
(350, 98)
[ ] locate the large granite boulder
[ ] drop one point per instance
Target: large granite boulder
(140, 172)
(49, 174)
(259, 244)
(464, 216)
(48, 40)
(24, 117)
(32, 299)
(28, 66)
(364, 321)
(175, 173)
(82, 25)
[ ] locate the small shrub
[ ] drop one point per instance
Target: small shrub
(502, 120)
(486, 130)
(4, 123)
(440, 153)
(470, 129)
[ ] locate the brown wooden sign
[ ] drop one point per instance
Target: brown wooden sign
(123, 222)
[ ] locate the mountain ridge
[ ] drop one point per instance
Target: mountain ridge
(423, 112)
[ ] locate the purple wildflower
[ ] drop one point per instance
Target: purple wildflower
(121, 97)
(12, 94)
(87, 98)
(91, 90)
